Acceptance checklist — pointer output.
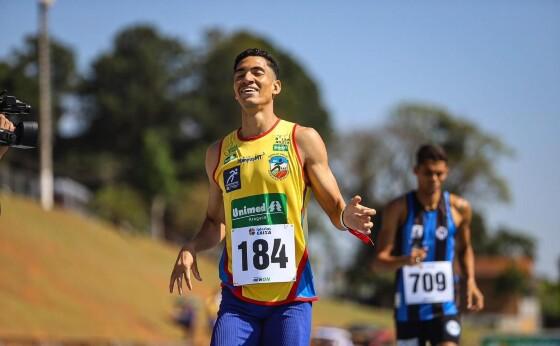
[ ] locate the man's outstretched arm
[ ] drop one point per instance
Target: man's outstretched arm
(325, 188)
(210, 234)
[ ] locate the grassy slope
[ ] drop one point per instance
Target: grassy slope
(66, 276)
(63, 275)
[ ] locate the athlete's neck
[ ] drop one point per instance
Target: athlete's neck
(256, 123)
(428, 200)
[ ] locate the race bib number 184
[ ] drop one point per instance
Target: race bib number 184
(263, 254)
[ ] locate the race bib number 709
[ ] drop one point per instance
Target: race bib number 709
(428, 282)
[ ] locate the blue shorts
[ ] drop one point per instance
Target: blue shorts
(243, 323)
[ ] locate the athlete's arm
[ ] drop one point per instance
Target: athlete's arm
(325, 188)
(393, 217)
(475, 299)
(210, 234)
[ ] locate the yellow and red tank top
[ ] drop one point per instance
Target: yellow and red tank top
(265, 199)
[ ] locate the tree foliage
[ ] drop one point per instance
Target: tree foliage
(382, 159)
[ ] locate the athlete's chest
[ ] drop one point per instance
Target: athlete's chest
(270, 160)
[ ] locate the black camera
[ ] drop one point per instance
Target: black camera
(25, 134)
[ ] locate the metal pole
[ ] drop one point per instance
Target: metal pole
(45, 110)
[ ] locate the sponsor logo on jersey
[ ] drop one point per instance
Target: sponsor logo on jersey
(250, 159)
(417, 231)
(266, 209)
(441, 232)
(232, 179)
(280, 147)
(230, 154)
(260, 230)
(279, 167)
(281, 142)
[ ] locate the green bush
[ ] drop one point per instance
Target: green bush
(122, 206)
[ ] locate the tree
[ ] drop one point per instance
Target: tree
(509, 243)
(384, 157)
(158, 173)
(138, 86)
(132, 109)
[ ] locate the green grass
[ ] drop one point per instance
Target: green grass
(66, 276)
(343, 314)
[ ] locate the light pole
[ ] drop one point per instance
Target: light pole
(45, 109)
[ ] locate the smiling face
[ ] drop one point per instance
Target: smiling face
(254, 82)
(430, 175)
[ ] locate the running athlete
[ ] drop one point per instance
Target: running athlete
(5, 125)
(261, 177)
(420, 233)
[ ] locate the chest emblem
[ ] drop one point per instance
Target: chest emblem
(278, 166)
(441, 232)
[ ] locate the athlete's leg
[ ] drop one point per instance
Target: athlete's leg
(288, 325)
(237, 323)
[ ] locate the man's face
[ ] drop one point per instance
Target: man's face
(254, 82)
(431, 175)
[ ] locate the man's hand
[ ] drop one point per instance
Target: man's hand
(357, 216)
(5, 124)
(417, 255)
(185, 263)
(475, 299)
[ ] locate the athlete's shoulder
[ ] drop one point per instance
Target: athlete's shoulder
(306, 133)
(214, 147)
(309, 143)
(397, 205)
(460, 204)
(212, 156)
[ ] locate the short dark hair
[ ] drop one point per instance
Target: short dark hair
(430, 152)
(258, 52)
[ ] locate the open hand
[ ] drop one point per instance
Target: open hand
(475, 299)
(185, 263)
(357, 216)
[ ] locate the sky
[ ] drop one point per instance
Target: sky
(495, 63)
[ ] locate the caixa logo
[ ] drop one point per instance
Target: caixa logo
(264, 230)
(259, 279)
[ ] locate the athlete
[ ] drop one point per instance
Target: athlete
(5, 125)
(261, 177)
(420, 233)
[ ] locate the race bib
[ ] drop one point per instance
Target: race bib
(263, 254)
(428, 282)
